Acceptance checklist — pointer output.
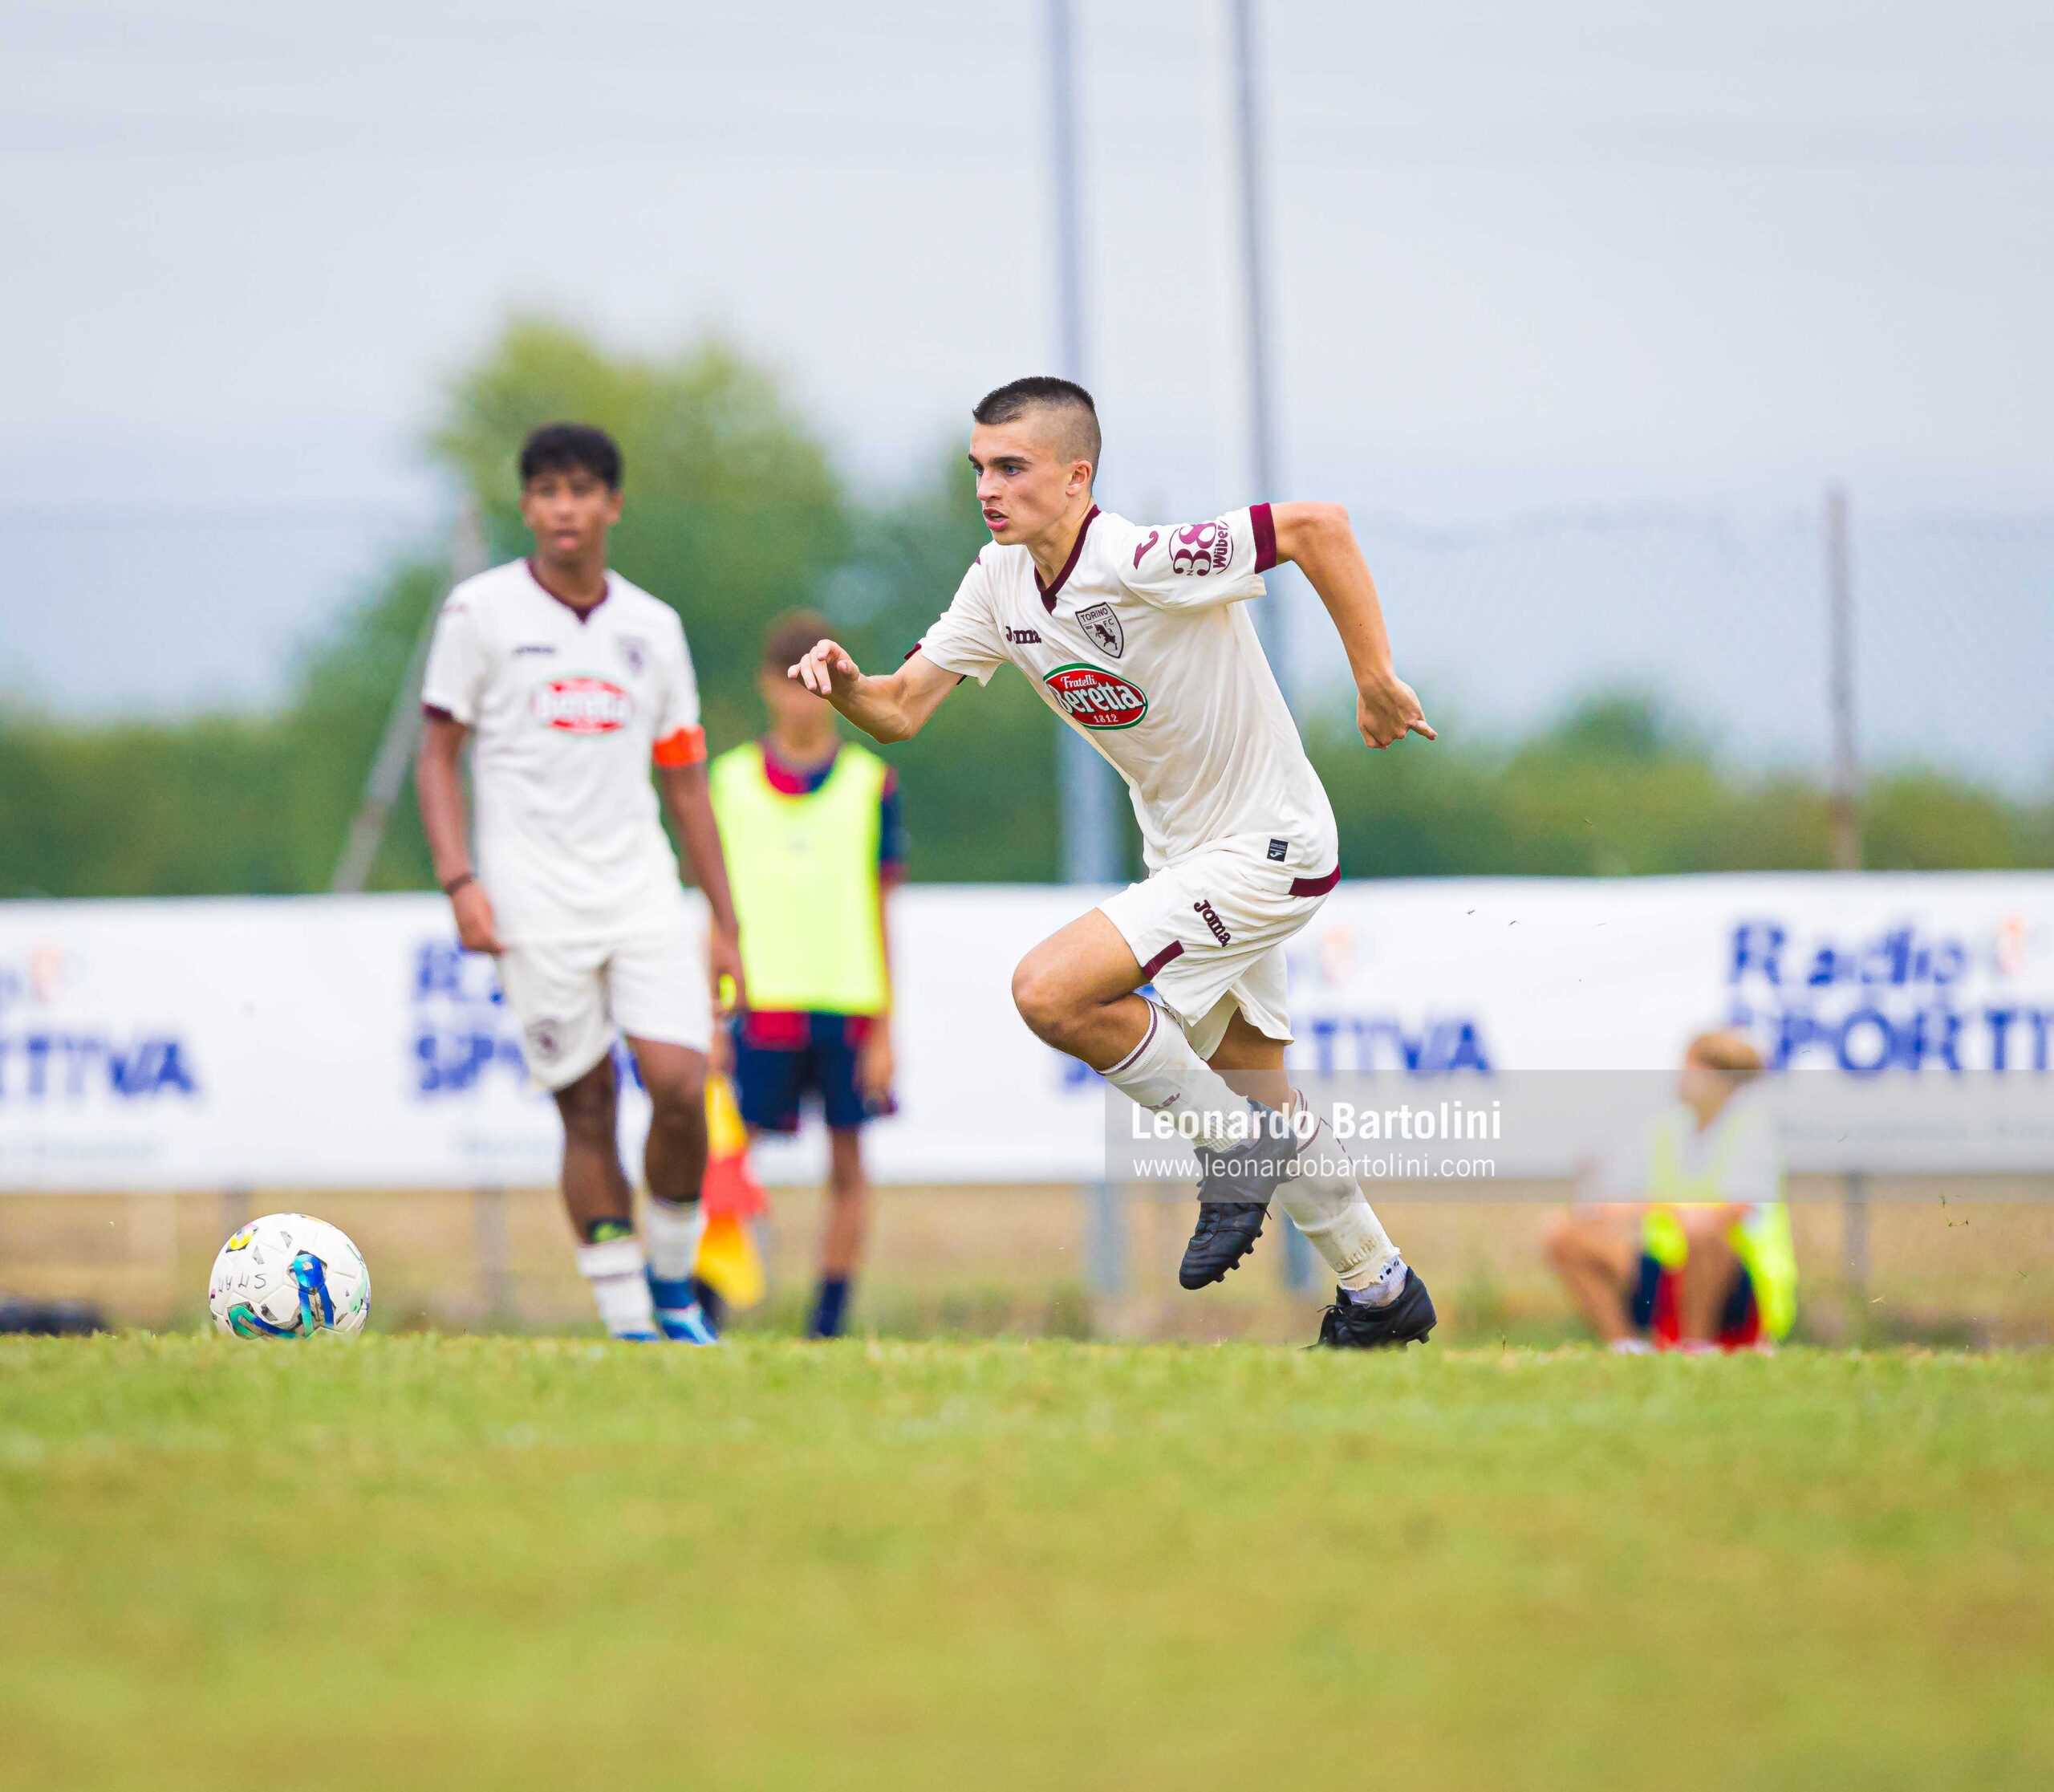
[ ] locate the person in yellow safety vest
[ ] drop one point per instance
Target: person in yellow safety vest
(810, 825)
(1688, 1243)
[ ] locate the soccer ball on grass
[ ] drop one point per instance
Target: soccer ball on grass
(288, 1275)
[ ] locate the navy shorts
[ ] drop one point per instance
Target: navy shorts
(780, 1058)
(1735, 1317)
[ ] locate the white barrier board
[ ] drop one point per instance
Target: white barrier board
(317, 1042)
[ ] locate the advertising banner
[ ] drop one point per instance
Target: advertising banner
(323, 1042)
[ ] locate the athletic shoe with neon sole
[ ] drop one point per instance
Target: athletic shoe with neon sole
(678, 1312)
(1349, 1325)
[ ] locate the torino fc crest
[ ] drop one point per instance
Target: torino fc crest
(1103, 626)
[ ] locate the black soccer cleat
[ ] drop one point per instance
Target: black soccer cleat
(1226, 1232)
(1233, 1201)
(1349, 1325)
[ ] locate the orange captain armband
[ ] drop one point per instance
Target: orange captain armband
(686, 747)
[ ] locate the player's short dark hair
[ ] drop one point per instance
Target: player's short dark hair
(571, 447)
(1045, 392)
(790, 635)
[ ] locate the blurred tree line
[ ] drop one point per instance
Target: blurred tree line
(736, 512)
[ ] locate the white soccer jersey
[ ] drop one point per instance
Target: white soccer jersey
(1143, 646)
(567, 710)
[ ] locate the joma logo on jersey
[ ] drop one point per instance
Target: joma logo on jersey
(581, 705)
(1024, 637)
(1092, 698)
(1209, 915)
(1202, 549)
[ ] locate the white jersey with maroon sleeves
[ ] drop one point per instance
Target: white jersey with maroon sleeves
(567, 710)
(1144, 645)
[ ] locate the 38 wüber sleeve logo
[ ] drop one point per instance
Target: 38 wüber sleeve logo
(1092, 698)
(1201, 549)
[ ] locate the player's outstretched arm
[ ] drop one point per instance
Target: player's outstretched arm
(439, 785)
(1319, 541)
(894, 708)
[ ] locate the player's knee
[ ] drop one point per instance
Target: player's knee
(1039, 994)
(845, 1158)
(677, 1101)
(1562, 1238)
(1703, 1231)
(587, 1105)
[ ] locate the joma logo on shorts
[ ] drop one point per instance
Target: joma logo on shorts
(1211, 917)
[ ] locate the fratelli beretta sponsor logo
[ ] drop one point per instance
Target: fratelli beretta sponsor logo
(581, 705)
(1092, 698)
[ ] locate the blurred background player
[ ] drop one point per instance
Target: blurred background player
(1686, 1242)
(569, 682)
(1139, 637)
(810, 824)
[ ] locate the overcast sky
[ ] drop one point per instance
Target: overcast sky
(1592, 253)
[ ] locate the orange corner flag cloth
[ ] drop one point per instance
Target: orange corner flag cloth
(728, 1256)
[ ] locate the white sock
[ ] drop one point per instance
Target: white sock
(1164, 1071)
(615, 1269)
(1328, 1205)
(675, 1229)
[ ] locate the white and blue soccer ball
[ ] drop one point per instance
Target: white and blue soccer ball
(288, 1275)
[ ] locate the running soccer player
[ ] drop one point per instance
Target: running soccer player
(1137, 636)
(568, 681)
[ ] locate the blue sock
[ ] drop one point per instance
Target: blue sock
(830, 1308)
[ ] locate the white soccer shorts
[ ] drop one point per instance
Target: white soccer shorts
(571, 999)
(1209, 932)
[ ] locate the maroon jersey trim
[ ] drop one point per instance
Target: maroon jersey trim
(1069, 566)
(1264, 525)
(582, 612)
(1315, 886)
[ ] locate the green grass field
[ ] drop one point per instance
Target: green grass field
(427, 1562)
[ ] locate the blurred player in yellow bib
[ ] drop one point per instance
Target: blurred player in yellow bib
(810, 822)
(1685, 1241)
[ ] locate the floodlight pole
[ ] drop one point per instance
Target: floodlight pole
(1088, 821)
(1271, 618)
(395, 748)
(1846, 848)
(1839, 635)
(1084, 782)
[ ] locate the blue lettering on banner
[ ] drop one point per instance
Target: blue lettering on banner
(49, 1066)
(1361, 1043)
(461, 1031)
(1891, 1001)
(1364, 1043)
(464, 1034)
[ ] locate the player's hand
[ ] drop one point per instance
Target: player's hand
(721, 1054)
(476, 931)
(826, 670)
(724, 965)
(875, 1068)
(1386, 711)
